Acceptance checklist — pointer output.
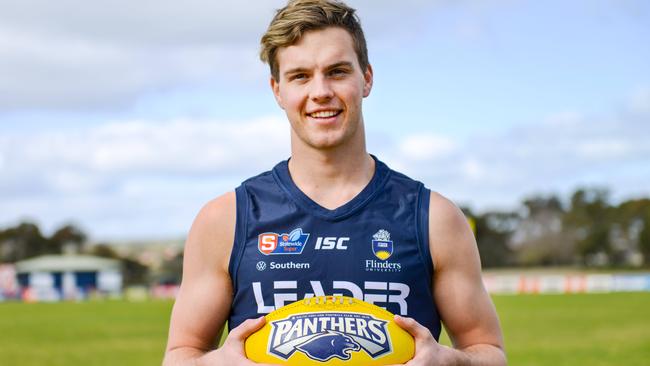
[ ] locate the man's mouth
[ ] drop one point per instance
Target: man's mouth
(325, 114)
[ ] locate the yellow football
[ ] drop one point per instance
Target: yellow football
(330, 330)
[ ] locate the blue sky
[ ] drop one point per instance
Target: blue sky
(126, 119)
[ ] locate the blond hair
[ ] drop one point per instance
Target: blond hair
(299, 16)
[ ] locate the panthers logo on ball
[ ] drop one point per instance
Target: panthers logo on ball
(329, 345)
(325, 335)
(330, 330)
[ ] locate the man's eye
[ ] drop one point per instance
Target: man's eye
(298, 77)
(338, 72)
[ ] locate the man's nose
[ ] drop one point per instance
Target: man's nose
(321, 89)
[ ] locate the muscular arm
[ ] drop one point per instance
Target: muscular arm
(205, 295)
(464, 305)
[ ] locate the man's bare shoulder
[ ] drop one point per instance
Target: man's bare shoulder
(213, 230)
(444, 214)
(449, 231)
(221, 209)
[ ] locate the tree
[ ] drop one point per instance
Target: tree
(135, 273)
(630, 220)
(589, 218)
(68, 235)
(105, 251)
(644, 238)
(540, 238)
(493, 231)
(171, 270)
(21, 242)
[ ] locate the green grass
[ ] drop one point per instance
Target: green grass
(586, 329)
(556, 330)
(90, 333)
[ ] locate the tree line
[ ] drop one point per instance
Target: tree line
(585, 229)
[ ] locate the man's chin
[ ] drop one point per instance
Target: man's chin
(326, 143)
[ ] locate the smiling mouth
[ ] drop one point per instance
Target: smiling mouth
(325, 114)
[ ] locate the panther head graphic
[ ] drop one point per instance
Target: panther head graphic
(327, 345)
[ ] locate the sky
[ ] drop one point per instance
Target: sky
(125, 117)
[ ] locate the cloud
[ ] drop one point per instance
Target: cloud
(640, 102)
(145, 148)
(80, 55)
(58, 71)
(74, 54)
(557, 154)
(142, 22)
(426, 147)
(127, 177)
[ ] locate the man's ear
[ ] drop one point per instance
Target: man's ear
(275, 86)
(367, 83)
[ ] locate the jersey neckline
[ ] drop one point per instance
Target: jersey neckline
(379, 177)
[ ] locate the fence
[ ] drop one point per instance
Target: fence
(566, 284)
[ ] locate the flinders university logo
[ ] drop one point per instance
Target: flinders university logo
(382, 246)
(326, 335)
(274, 243)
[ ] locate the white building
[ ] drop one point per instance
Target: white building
(55, 277)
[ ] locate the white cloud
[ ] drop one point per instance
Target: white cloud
(471, 168)
(640, 101)
(604, 148)
(150, 147)
(142, 22)
(133, 175)
(50, 71)
(558, 154)
(426, 147)
(76, 54)
(104, 157)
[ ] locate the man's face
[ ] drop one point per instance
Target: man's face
(320, 87)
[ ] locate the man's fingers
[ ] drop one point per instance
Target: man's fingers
(417, 330)
(247, 328)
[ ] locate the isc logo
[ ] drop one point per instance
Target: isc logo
(331, 242)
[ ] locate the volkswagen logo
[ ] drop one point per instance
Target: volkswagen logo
(261, 266)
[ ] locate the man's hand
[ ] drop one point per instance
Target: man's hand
(232, 352)
(428, 352)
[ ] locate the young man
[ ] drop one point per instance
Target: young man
(330, 220)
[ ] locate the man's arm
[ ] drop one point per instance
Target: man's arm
(205, 295)
(463, 303)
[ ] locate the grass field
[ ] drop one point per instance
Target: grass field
(556, 330)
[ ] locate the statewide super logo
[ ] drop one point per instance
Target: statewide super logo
(382, 246)
(273, 243)
(322, 336)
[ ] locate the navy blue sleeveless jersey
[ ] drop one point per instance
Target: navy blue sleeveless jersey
(374, 248)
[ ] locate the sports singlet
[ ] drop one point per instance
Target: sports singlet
(374, 248)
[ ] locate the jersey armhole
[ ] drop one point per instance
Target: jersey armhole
(422, 228)
(239, 240)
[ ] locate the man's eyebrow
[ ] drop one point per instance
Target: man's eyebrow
(296, 70)
(339, 64)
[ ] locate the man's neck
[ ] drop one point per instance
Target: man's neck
(333, 177)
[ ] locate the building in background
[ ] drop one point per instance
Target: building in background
(71, 276)
(8, 284)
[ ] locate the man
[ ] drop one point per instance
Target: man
(330, 220)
